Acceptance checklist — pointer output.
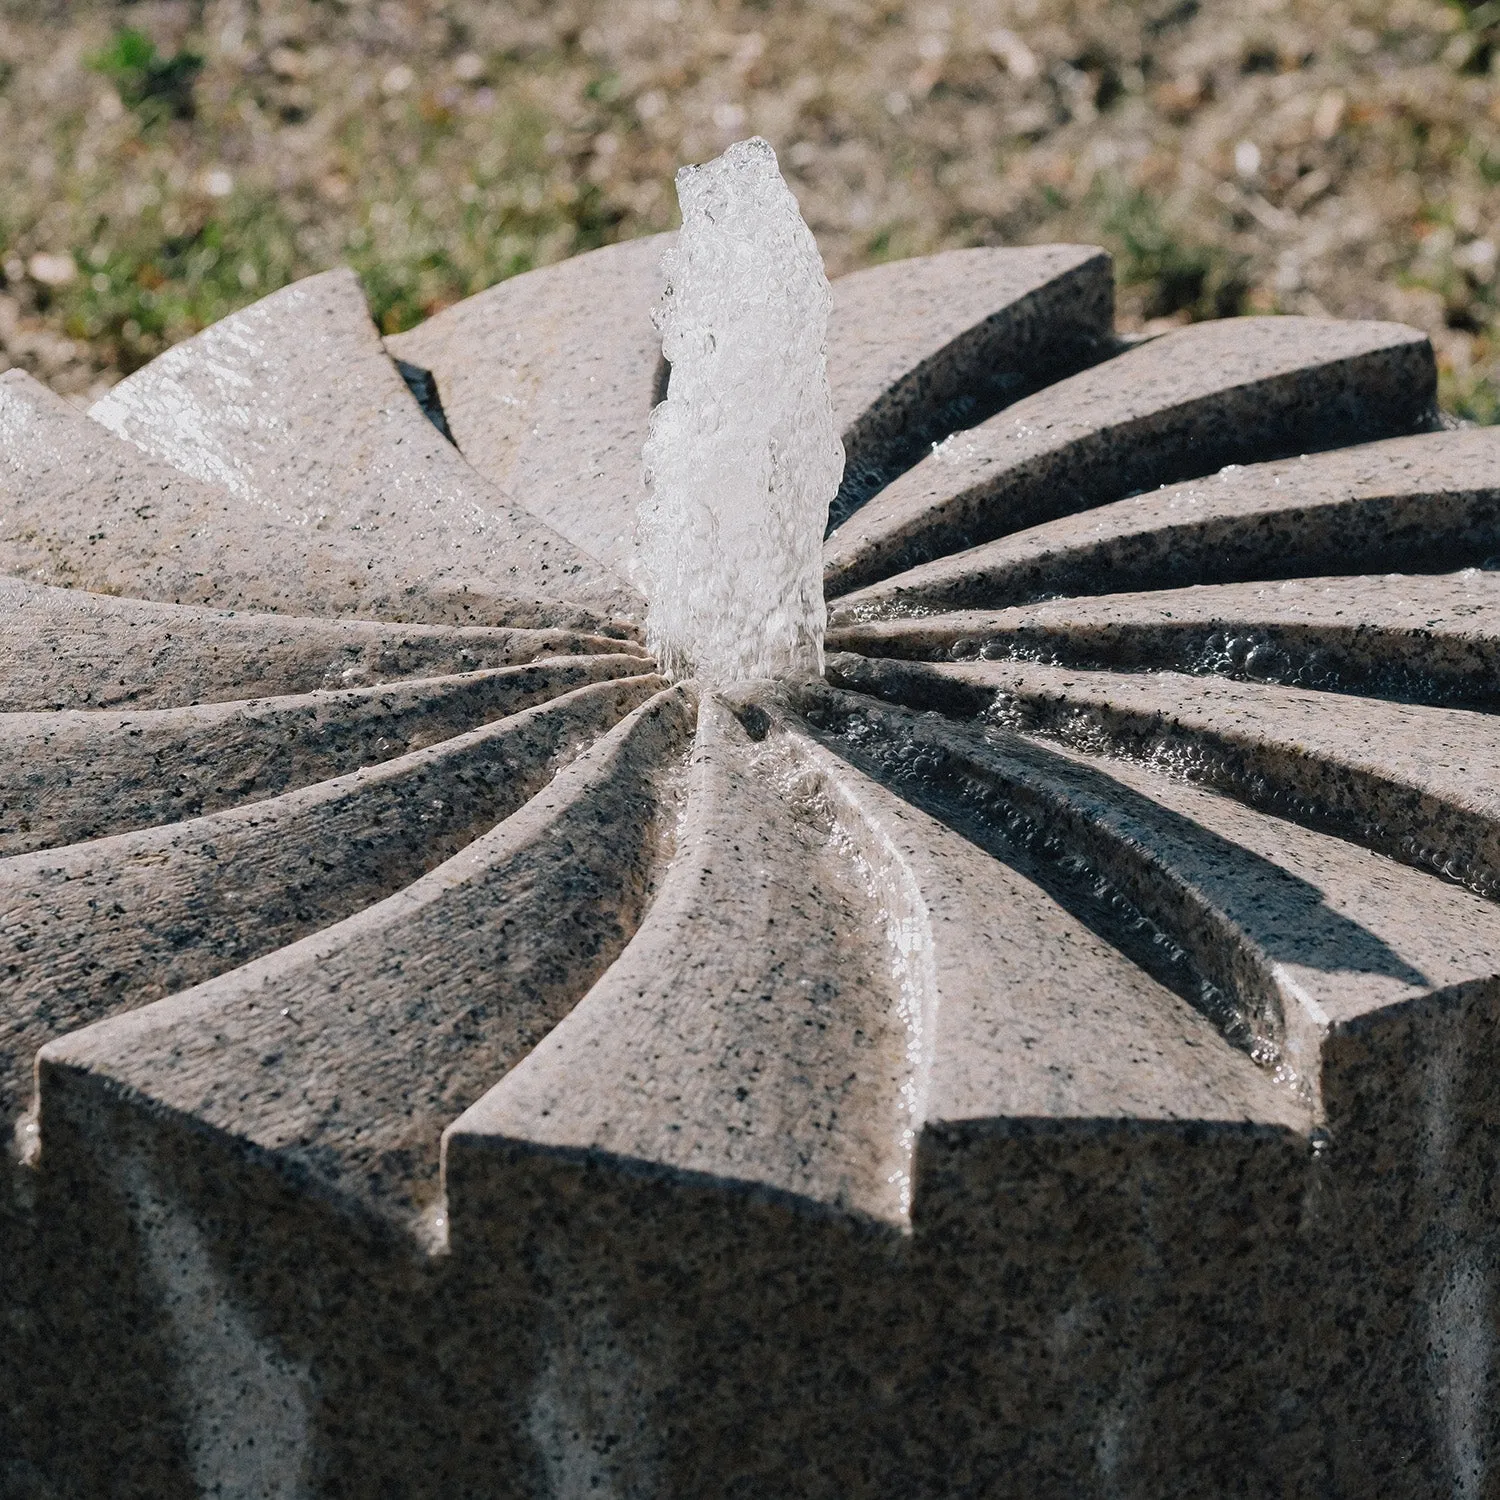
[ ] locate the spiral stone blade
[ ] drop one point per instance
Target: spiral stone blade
(918, 348)
(292, 405)
(1351, 933)
(1425, 503)
(67, 776)
(92, 928)
(1412, 781)
(547, 382)
(472, 963)
(87, 510)
(1182, 405)
(1275, 932)
(1033, 1015)
(992, 976)
(753, 1031)
(1426, 638)
(67, 649)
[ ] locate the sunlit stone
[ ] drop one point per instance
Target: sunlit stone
(743, 457)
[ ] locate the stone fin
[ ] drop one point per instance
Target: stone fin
(1406, 780)
(85, 510)
(1427, 638)
(919, 348)
(83, 774)
(1427, 503)
(1182, 405)
(91, 929)
(1035, 1015)
(756, 1031)
(471, 964)
(1275, 931)
(293, 405)
(67, 649)
(548, 380)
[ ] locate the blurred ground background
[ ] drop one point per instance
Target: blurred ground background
(168, 160)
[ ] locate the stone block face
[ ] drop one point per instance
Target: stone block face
(1053, 1055)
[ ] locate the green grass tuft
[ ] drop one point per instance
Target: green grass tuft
(156, 87)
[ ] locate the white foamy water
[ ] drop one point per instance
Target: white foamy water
(743, 457)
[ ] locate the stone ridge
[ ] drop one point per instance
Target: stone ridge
(82, 650)
(75, 775)
(918, 348)
(291, 405)
(347, 1113)
(1427, 638)
(1176, 407)
(1423, 503)
(551, 407)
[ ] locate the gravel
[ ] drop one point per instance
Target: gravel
(167, 162)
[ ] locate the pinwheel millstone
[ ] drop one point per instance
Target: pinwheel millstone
(1055, 1055)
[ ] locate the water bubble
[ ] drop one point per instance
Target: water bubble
(1263, 660)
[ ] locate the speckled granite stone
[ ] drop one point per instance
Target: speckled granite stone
(333, 445)
(1054, 1056)
(70, 776)
(1182, 405)
(1423, 637)
(917, 348)
(1425, 503)
(79, 650)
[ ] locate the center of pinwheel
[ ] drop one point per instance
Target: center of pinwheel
(743, 457)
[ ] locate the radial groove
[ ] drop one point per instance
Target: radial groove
(1423, 638)
(66, 649)
(1182, 405)
(69, 776)
(470, 965)
(1408, 780)
(1420, 504)
(92, 928)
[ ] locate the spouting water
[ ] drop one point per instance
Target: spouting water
(743, 457)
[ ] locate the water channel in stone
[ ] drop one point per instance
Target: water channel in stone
(743, 457)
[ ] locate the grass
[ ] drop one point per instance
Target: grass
(1176, 276)
(156, 87)
(140, 294)
(168, 163)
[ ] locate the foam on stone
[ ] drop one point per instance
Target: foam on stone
(743, 457)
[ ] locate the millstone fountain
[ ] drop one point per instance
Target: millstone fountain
(1051, 1051)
